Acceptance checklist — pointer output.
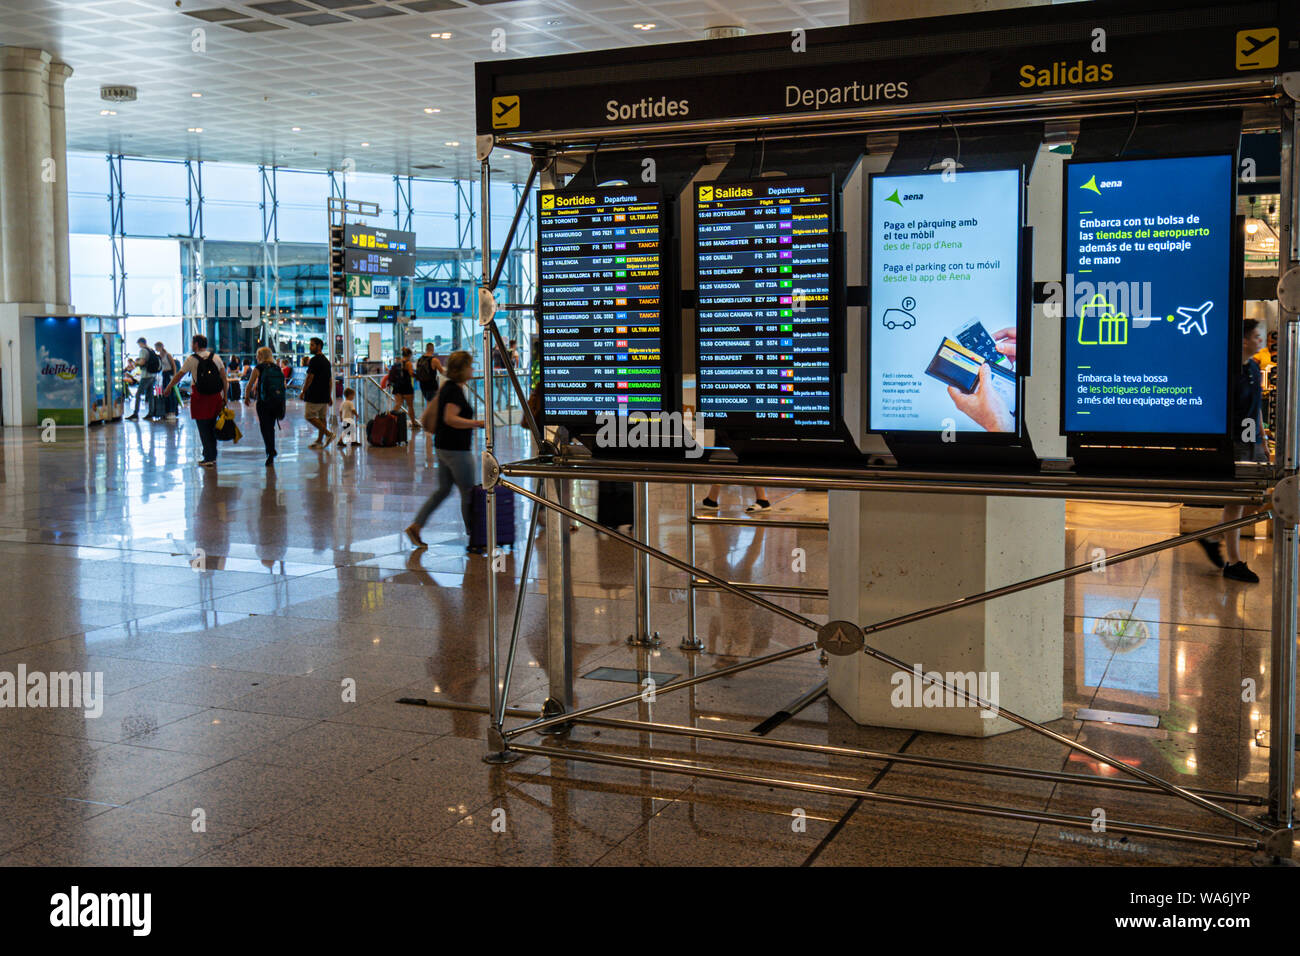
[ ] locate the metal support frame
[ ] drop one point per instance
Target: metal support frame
(269, 293)
(1271, 836)
(691, 640)
(117, 232)
(193, 298)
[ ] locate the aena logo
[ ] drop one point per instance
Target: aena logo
(1093, 186)
(894, 197)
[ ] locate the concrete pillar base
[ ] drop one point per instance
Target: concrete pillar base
(891, 554)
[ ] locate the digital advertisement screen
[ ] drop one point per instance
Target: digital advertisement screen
(601, 282)
(763, 293)
(1147, 295)
(945, 300)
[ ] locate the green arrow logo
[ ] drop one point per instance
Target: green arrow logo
(894, 198)
(1091, 184)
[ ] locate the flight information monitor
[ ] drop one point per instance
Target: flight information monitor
(946, 286)
(601, 253)
(763, 280)
(1147, 301)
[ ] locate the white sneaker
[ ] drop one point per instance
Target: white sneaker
(758, 507)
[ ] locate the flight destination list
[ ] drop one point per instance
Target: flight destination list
(762, 274)
(601, 321)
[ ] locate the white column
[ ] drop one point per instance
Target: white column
(26, 203)
(59, 73)
(892, 554)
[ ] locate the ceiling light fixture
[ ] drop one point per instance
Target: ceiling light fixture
(445, 35)
(432, 109)
(643, 26)
(197, 95)
(365, 144)
(108, 112)
(195, 129)
(297, 129)
(452, 142)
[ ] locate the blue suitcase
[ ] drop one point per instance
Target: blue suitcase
(505, 518)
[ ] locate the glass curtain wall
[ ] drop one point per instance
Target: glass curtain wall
(242, 250)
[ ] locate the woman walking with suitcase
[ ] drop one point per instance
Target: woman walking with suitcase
(449, 419)
(401, 378)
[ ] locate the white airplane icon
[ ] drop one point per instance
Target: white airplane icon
(1194, 318)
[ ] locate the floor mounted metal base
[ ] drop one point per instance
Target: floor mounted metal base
(645, 640)
(503, 757)
(691, 644)
(553, 708)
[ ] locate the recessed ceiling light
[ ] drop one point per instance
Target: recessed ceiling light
(297, 129)
(643, 26)
(445, 35)
(452, 142)
(432, 109)
(197, 95)
(195, 129)
(365, 144)
(108, 112)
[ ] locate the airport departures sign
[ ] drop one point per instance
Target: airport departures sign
(841, 69)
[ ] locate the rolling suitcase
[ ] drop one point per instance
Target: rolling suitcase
(614, 503)
(505, 518)
(386, 430)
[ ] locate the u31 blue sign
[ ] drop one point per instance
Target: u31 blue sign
(443, 300)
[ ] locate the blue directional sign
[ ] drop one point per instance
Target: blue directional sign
(443, 300)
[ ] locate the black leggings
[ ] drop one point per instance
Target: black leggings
(266, 419)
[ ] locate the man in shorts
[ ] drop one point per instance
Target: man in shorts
(317, 393)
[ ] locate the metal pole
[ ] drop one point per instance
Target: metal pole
(499, 752)
(918, 760)
(559, 604)
(667, 558)
(1123, 556)
(641, 528)
(1005, 813)
(691, 639)
(542, 724)
(520, 596)
(1282, 692)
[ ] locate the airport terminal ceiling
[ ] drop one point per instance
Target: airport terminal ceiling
(343, 74)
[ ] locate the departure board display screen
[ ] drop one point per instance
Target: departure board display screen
(765, 336)
(601, 279)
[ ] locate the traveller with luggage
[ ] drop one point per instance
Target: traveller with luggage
(451, 420)
(401, 379)
(267, 385)
(207, 394)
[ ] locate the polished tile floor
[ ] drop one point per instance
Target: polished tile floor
(255, 628)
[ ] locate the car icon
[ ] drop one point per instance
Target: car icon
(898, 319)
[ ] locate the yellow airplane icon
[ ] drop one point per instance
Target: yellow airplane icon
(505, 112)
(706, 193)
(1257, 49)
(548, 201)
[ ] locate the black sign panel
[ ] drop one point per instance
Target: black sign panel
(763, 279)
(1027, 52)
(601, 281)
(368, 262)
(378, 240)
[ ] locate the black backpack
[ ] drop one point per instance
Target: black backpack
(424, 372)
(207, 378)
(398, 377)
(153, 364)
(270, 388)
